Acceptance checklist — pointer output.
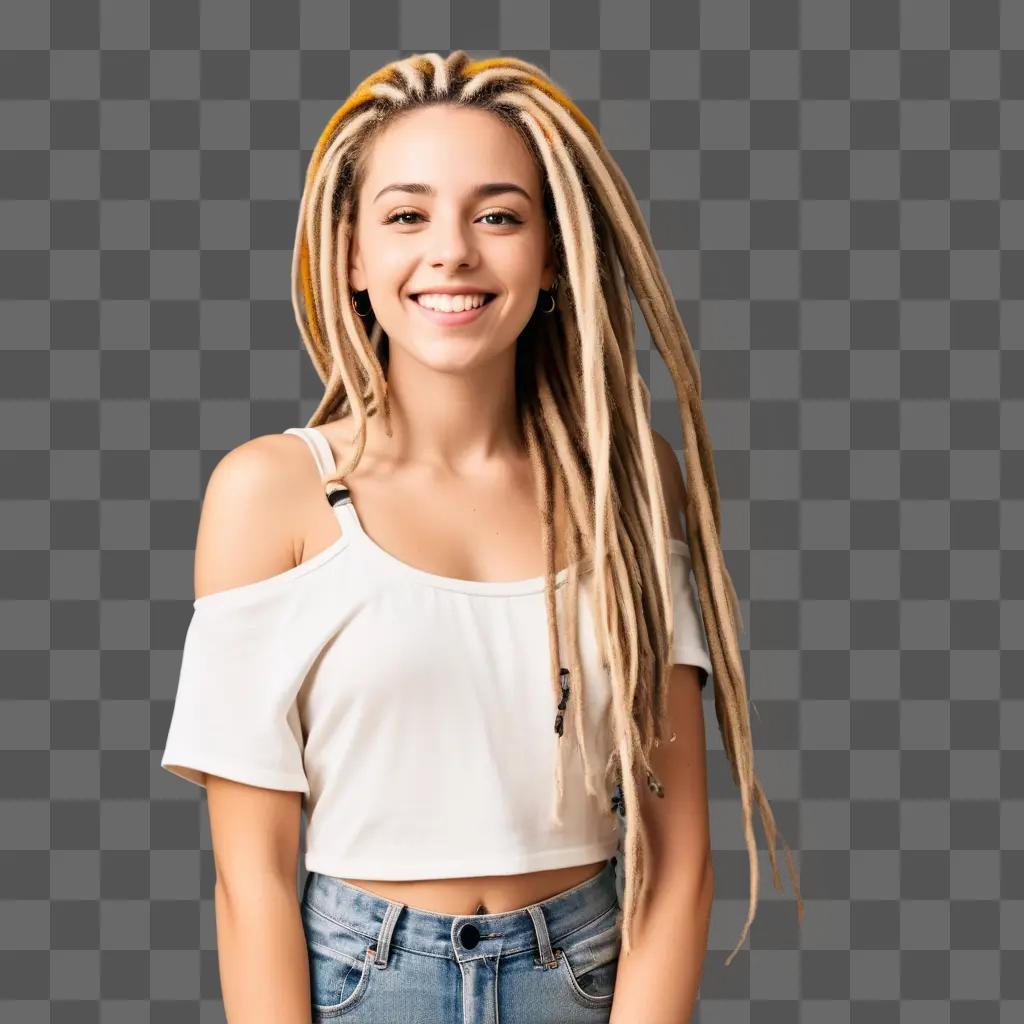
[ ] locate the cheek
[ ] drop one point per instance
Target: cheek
(375, 247)
(524, 257)
(384, 261)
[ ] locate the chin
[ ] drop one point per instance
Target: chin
(447, 354)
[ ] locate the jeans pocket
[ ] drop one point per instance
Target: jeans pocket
(336, 985)
(340, 965)
(588, 960)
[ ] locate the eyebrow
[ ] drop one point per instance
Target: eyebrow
(491, 188)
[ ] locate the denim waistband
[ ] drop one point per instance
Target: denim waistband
(539, 926)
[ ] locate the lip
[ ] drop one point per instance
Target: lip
(466, 316)
(453, 289)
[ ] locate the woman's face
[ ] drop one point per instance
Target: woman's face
(445, 233)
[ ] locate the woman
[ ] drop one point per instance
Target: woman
(379, 659)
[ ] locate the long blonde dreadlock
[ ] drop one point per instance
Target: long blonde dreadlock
(583, 408)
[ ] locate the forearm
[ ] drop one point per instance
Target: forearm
(261, 948)
(658, 981)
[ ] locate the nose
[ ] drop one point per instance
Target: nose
(451, 243)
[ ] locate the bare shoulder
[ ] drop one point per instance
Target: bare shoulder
(248, 530)
(250, 523)
(671, 483)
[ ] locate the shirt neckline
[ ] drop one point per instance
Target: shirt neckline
(352, 525)
(346, 512)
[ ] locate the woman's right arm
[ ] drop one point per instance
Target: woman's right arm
(247, 532)
(261, 946)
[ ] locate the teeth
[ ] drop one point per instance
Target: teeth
(450, 303)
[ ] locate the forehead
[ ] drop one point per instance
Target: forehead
(451, 149)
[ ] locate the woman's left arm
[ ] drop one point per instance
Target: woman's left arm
(659, 979)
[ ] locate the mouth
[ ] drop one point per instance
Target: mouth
(453, 319)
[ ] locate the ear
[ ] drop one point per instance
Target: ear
(550, 272)
(356, 272)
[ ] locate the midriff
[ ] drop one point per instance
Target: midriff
(496, 893)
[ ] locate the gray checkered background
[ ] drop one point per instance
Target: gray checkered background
(836, 192)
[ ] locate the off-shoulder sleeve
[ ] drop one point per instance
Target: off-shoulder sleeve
(690, 646)
(235, 712)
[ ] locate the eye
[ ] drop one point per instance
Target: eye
(394, 218)
(400, 213)
(503, 213)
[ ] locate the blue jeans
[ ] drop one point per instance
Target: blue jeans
(374, 959)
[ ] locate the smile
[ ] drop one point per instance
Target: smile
(453, 319)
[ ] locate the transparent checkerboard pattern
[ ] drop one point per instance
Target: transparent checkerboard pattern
(836, 192)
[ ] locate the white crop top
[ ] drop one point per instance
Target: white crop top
(413, 711)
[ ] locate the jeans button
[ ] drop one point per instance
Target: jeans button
(469, 935)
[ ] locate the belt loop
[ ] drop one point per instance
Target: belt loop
(380, 957)
(547, 956)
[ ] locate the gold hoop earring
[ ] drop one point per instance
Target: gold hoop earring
(356, 308)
